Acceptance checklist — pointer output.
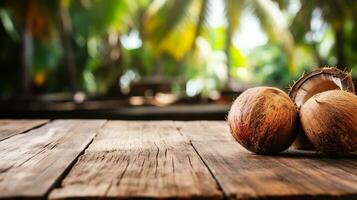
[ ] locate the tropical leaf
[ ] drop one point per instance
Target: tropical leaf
(216, 38)
(274, 24)
(283, 4)
(203, 14)
(37, 16)
(238, 58)
(233, 11)
(301, 23)
(335, 12)
(162, 20)
(8, 25)
(93, 17)
(178, 42)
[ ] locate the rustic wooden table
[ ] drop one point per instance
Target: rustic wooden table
(70, 159)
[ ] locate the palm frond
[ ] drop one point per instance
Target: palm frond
(274, 24)
(203, 14)
(335, 12)
(283, 4)
(233, 11)
(159, 24)
(301, 23)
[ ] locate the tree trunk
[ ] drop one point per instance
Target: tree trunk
(320, 61)
(66, 33)
(340, 44)
(203, 11)
(228, 53)
(27, 54)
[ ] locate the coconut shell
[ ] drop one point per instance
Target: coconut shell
(329, 120)
(317, 81)
(263, 120)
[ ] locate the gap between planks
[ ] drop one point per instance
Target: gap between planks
(10, 128)
(220, 187)
(32, 163)
(210, 133)
(57, 182)
(290, 175)
(139, 160)
(227, 166)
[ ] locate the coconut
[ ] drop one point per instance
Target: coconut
(263, 120)
(317, 81)
(329, 120)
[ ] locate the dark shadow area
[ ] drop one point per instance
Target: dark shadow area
(297, 154)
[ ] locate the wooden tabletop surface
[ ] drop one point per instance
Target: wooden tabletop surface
(96, 159)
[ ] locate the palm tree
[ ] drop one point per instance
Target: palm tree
(173, 14)
(65, 25)
(36, 20)
(335, 14)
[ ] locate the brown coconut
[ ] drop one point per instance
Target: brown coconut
(263, 120)
(329, 120)
(317, 81)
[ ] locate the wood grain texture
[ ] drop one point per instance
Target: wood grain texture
(9, 128)
(138, 160)
(204, 130)
(32, 163)
(289, 175)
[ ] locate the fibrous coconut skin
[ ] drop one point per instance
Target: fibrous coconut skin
(329, 120)
(317, 81)
(263, 120)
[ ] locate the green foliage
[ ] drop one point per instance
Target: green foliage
(166, 18)
(270, 66)
(233, 9)
(46, 55)
(175, 41)
(141, 60)
(238, 59)
(94, 17)
(216, 37)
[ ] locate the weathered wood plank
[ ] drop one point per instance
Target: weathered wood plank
(33, 162)
(138, 160)
(9, 128)
(204, 130)
(293, 174)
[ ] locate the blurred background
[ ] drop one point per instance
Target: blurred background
(162, 59)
